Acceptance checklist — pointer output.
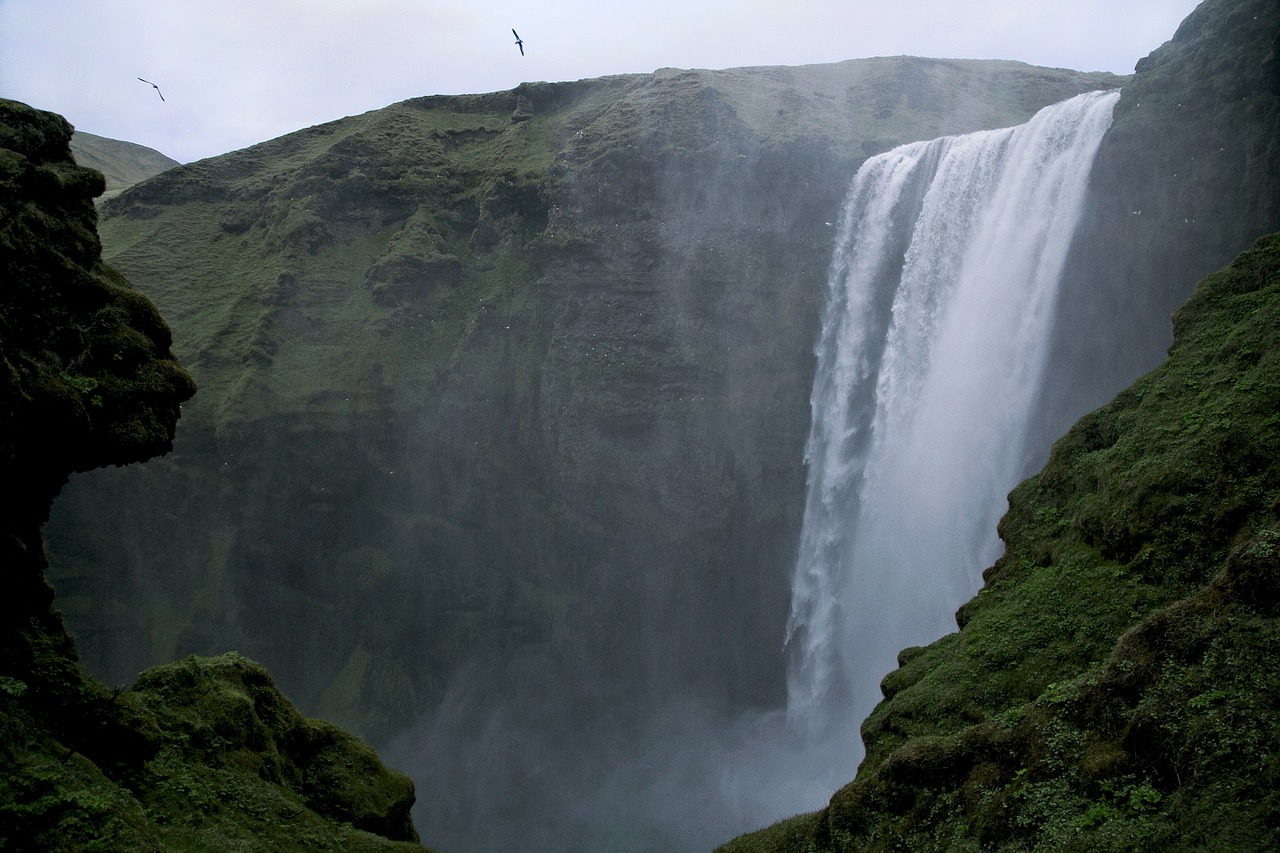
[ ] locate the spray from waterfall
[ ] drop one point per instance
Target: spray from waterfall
(932, 349)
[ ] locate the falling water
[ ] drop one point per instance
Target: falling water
(932, 348)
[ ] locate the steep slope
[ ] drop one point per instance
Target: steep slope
(202, 754)
(123, 164)
(1113, 685)
(525, 367)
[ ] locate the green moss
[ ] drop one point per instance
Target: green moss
(233, 765)
(63, 802)
(226, 713)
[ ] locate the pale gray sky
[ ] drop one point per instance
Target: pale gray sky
(237, 72)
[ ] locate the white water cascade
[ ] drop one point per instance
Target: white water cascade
(933, 343)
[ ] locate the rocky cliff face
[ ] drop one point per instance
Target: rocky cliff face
(200, 753)
(489, 380)
(1189, 175)
(487, 383)
(88, 376)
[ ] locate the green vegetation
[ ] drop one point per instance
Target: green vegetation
(471, 366)
(469, 363)
(88, 376)
(213, 757)
(1189, 172)
(1112, 687)
(121, 163)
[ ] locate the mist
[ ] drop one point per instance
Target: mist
(661, 723)
(686, 775)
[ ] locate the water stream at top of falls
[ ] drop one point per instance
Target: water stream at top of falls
(933, 343)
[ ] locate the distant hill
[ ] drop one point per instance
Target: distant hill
(123, 163)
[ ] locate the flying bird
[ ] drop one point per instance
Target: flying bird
(157, 88)
(519, 43)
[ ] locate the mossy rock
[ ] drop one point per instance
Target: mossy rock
(204, 754)
(227, 712)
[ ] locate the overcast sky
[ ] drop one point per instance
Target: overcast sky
(236, 72)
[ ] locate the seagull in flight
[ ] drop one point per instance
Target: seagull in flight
(154, 86)
(519, 43)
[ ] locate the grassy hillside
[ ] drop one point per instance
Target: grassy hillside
(1112, 686)
(488, 382)
(201, 754)
(1105, 692)
(121, 163)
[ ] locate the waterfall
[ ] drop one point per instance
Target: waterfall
(939, 308)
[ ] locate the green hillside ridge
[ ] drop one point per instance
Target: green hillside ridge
(121, 163)
(429, 202)
(465, 360)
(1112, 687)
(202, 754)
